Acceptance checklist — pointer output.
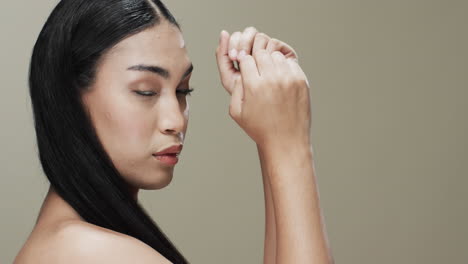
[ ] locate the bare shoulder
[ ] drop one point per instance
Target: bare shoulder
(81, 242)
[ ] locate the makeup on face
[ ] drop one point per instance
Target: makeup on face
(168, 159)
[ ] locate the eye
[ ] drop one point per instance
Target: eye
(150, 93)
(145, 93)
(186, 91)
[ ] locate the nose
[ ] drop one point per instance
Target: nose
(171, 117)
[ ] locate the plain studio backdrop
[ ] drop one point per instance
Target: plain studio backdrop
(389, 84)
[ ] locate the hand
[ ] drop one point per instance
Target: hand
(248, 41)
(270, 95)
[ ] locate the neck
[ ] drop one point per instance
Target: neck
(55, 207)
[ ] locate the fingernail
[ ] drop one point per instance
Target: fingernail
(233, 53)
(241, 54)
(221, 35)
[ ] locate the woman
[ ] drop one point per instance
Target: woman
(109, 81)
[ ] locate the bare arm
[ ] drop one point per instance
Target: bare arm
(269, 251)
(268, 101)
(300, 229)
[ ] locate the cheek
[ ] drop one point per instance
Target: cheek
(124, 129)
(133, 130)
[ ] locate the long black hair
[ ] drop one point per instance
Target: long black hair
(64, 60)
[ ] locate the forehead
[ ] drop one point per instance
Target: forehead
(161, 45)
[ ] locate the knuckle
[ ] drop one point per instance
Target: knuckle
(262, 35)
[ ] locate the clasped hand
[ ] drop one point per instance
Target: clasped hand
(270, 91)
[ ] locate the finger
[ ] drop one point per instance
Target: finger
(234, 44)
(288, 51)
(247, 40)
(260, 42)
(249, 71)
(276, 44)
(264, 62)
(225, 66)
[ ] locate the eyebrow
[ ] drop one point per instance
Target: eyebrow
(159, 70)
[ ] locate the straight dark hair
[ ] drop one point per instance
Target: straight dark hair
(64, 60)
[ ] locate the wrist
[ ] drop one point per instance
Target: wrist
(285, 148)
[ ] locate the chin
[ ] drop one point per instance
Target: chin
(155, 185)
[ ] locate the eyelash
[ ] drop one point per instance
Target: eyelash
(184, 92)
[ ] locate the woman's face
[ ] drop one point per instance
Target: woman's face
(132, 127)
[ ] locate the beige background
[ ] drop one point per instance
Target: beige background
(389, 90)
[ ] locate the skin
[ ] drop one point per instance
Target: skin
(132, 127)
(250, 41)
(270, 102)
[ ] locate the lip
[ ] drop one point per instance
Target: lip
(174, 149)
(167, 159)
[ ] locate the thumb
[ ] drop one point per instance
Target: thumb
(237, 98)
